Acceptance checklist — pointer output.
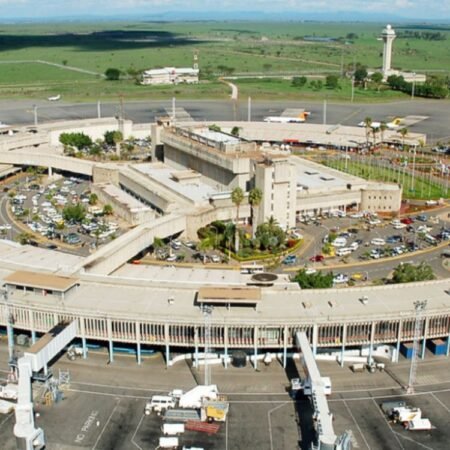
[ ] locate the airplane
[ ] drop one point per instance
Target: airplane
(390, 125)
(281, 119)
(55, 98)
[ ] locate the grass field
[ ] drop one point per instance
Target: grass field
(245, 48)
(420, 188)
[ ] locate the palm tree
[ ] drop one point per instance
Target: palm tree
(383, 128)
(368, 126)
(237, 197)
(374, 134)
(254, 198)
(403, 132)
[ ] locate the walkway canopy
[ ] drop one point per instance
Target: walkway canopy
(41, 282)
(228, 296)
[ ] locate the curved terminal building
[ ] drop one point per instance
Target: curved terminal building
(181, 310)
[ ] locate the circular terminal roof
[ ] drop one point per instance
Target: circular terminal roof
(265, 277)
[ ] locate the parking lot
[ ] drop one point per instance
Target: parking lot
(33, 211)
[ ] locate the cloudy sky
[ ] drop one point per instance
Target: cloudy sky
(432, 9)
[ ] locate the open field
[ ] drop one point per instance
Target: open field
(423, 189)
(241, 48)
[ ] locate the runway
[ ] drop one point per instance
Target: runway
(435, 125)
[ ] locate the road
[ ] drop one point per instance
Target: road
(19, 112)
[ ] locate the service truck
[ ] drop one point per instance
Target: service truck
(418, 425)
(168, 442)
(173, 429)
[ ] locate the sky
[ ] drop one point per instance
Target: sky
(419, 9)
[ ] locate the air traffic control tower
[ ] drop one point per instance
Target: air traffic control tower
(388, 35)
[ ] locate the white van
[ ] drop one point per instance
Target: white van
(173, 428)
(354, 246)
(159, 403)
(168, 442)
(339, 242)
(378, 241)
(430, 239)
(343, 251)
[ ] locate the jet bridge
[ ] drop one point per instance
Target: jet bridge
(35, 359)
(326, 437)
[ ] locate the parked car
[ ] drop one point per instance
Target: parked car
(290, 260)
(407, 220)
(340, 278)
(422, 218)
(378, 242)
(317, 258)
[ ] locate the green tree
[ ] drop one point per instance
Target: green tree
(368, 127)
(75, 213)
(108, 210)
(255, 198)
(237, 197)
(235, 131)
(23, 238)
(407, 273)
(360, 75)
(403, 132)
(215, 127)
(317, 280)
(93, 199)
(332, 81)
(299, 81)
(113, 137)
(112, 74)
(78, 140)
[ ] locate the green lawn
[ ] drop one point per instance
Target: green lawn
(423, 189)
(244, 47)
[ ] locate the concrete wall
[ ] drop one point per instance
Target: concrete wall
(324, 202)
(23, 140)
(278, 185)
(95, 128)
(103, 174)
(133, 217)
(116, 253)
(382, 199)
(143, 189)
(38, 158)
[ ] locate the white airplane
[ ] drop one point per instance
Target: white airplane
(390, 125)
(281, 119)
(55, 98)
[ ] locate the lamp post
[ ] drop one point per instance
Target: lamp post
(9, 325)
(207, 311)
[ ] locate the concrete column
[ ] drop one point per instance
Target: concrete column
(225, 337)
(344, 340)
(110, 340)
(255, 342)
(196, 347)
(33, 331)
(424, 340)
(399, 339)
(166, 339)
(315, 338)
(83, 337)
(372, 337)
(447, 351)
(50, 172)
(138, 342)
(285, 341)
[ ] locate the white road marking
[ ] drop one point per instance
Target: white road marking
(270, 422)
(106, 424)
(412, 440)
(357, 425)
(440, 402)
(135, 432)
(387, 423)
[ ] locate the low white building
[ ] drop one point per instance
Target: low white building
(170, 75)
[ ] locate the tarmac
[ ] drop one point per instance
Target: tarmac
(103, 406)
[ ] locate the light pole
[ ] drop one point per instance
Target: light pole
(9, 325)
(413, 86)
(419, 307)
(207, 311)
